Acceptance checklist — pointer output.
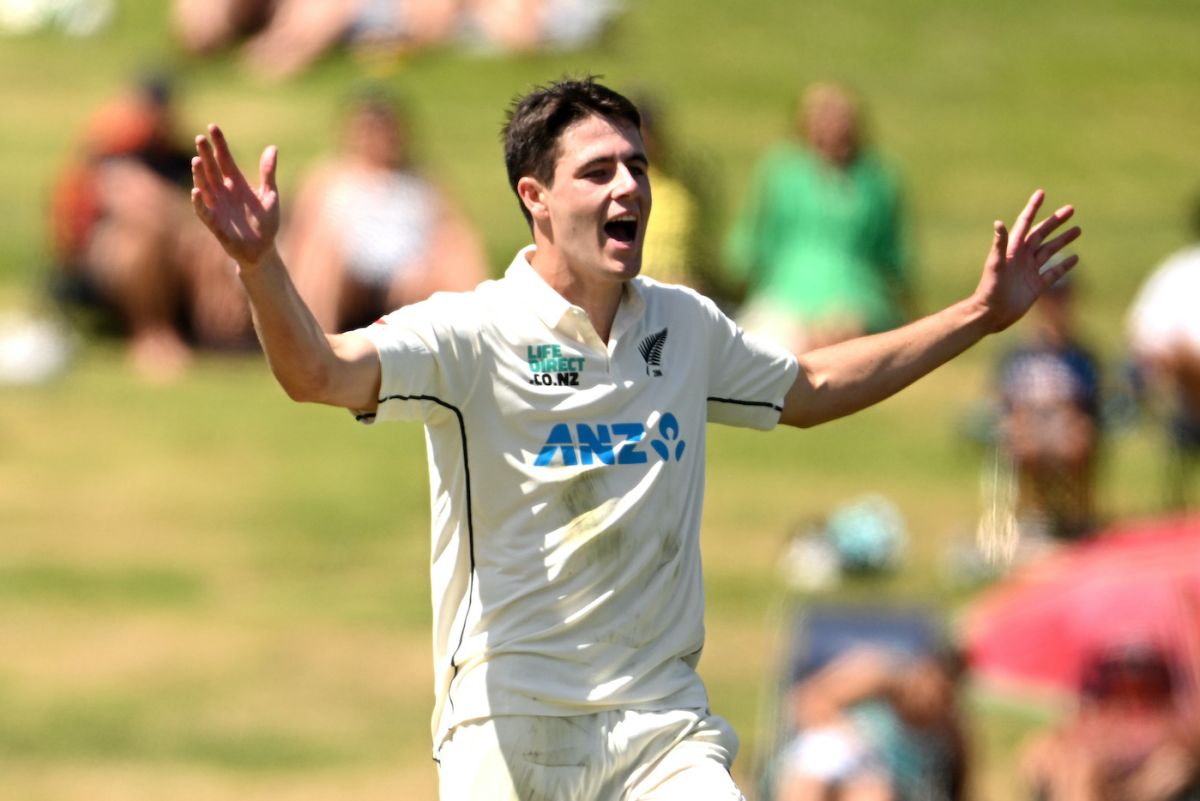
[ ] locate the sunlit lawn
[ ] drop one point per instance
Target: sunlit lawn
(207, 592)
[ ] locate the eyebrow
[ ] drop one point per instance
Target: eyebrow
(638, 156)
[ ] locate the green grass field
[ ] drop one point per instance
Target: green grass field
(207, 592)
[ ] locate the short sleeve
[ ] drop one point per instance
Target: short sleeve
(427, 359)
(749, 376)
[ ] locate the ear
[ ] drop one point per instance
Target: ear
(533, 195)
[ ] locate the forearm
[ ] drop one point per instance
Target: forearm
(297, 350)
(338, 369)
(851, 678)
(844, 378)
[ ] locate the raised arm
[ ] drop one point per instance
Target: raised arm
(844, 378)
(337, 369)
(860, 673)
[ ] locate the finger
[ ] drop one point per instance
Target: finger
(1046, 226)
(999, 236)
(1046, 252)
(1051, 274)
(212, 173)
(201, 207)
(229, 167)
(1025, 218)
(266, 168)
(203, 188)
(999, 245)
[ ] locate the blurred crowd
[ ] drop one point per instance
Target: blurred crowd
(820, 250)
(1055, 405)
(368, 231)
(126, 243)
(820, 242)
(876, 724)
(279, 38)
(1133, 734)
(873, 706)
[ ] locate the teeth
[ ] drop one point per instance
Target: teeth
(624, 218)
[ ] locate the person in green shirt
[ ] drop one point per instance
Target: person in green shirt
(819, 243)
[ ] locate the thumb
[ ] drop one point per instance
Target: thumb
(999, 245)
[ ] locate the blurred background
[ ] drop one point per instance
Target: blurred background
(207, 592)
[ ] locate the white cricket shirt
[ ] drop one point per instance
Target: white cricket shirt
(1163, 315)
(566, 481)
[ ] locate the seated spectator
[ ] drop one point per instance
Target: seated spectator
(819, 242)
(526, 25)
(1164, 336)
(203, 27)
(370, 231)
(126, 241)
(1133, 737)
(677, 249)
(1049, 390)
(283, 37)
(875, 725)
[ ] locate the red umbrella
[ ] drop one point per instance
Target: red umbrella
(1135, 582)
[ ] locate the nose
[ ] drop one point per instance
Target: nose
(625, 183)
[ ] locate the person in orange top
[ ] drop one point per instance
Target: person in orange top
(124, 241)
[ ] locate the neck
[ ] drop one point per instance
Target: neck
(598, 297)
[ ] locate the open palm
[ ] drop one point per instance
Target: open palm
(244, 220)
(1015, 273)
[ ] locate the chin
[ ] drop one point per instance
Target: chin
(630, 267)
(619, 264)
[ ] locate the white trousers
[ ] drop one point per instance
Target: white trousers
(681, 755)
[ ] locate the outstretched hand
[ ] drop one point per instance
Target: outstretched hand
(1015, 273)
(244, 220)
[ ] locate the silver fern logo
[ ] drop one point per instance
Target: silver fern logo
(651, 349)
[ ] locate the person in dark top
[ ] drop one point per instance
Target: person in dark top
(124, 241)
(1049, 389)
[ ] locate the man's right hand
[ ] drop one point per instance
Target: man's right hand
(243, 219)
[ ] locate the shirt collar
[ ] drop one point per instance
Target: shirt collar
(534, 291)
(552, 307)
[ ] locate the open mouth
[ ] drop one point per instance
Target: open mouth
(622, 229)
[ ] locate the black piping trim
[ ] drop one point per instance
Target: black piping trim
(763, 404)
(462, 429)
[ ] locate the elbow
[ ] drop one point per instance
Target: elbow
(803, 418)
(300, 393)
(313, 385)
(808, 403)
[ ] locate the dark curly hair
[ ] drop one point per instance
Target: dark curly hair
(536, 121)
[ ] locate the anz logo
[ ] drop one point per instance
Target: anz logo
(616, 443)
